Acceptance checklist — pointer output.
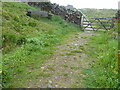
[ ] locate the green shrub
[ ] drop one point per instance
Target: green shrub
(32, 24)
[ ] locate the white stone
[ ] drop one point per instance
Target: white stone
(65, 56)
(75, 44)
(42, 67)
(49, 86)
(55, 77)
(56, 86)
(50, 81)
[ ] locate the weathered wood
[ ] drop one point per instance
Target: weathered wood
(40, 13)
(98, 23)
(86, 24)
(102, 18)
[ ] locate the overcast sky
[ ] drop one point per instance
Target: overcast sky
(89, 3)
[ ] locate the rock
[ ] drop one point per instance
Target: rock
(75, 44)
(49, 86)
(30, 71)
(50, 81)
(56, 86)
(65, 61)
(65, 56)
(60, 67)
(42, 67)
(56, 77)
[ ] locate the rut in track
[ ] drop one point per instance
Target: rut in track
(63, 70)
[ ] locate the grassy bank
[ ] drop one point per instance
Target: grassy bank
(28, 42)
(103, 72)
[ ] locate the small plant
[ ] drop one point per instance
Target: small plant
(40, 73)
(32, 24)
(76, 51)
(50, 67)
(83, 37)
(81, 47)
(70, 53)
(66, 74)
(76, 36)
(74, 67)
(62, 54)
(46, 74)
(86, 43)
(75, 86)
(65, 65)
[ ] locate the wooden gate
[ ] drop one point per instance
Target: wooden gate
(96, 24)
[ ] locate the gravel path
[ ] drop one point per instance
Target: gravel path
(63, 70)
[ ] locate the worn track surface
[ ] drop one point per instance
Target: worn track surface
(64, 69)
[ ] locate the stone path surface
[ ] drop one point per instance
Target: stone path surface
(64, 69)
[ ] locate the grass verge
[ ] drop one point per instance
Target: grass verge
(103, 72)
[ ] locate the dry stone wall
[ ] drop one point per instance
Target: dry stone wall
(69, 13)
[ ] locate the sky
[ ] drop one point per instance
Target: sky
(99, 4)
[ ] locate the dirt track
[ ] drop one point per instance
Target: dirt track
(64, 69)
